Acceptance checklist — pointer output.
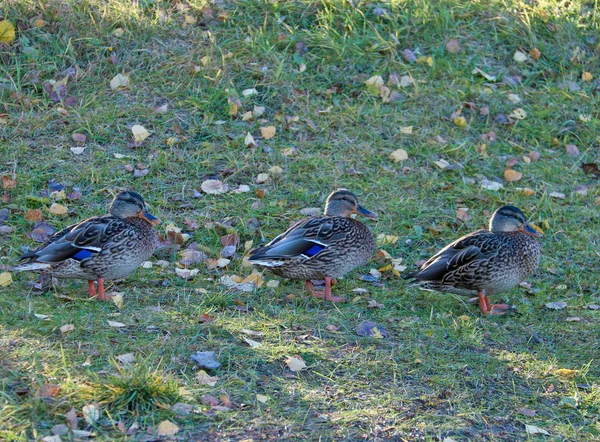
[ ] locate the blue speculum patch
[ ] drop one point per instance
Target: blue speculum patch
(82, 254)
(314, 250)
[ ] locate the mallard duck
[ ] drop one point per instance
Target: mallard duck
(322, 247)
(485, 262)
(99, 248)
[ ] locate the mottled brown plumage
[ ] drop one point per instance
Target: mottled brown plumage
(99, 248)
(322, 247)
(485, 262)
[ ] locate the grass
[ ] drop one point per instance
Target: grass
(444, 371)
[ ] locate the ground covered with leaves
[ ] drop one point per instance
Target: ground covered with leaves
(234, 119)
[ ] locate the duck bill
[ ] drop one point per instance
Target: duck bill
(366, 213)
(528, 229)
(149, 217)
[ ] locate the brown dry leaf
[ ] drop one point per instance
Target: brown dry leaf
(535, 54)
(591, 169)
(8, 182)
(267, 132)
(49, 390)
(463, 214)
(528, 192)
(167, 428)
(295, 363)
(453, 46)
(67, 328)
(79, 138)
(33, 215)
(512, 175)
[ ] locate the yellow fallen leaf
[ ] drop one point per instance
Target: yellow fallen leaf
(39, 23)
(399, 155)
(424, 59)
(408, 130)
(7, 32)
(190, 19)
(262, 178)
(535, 54)
(512, 175)
(118, 32)
(233, 109)
(57, 209)
(518, 114)
(460, 121)
(167, 428)
(566, 372)
(295, 363)
(376, 82)
(276, 170)
(383, 239)
(267, 132)
(119, 81)
(139, 133)
(5, 279)
(117, 299)
(586, 76)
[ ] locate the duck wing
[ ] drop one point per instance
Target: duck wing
(461, 257)
(79, 241)
(304, 239)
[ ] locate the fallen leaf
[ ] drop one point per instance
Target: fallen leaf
(558, 195)
(375, 83)
(491, 185)
(532, 429)
(407, 130)
(7, 32)
(49, 390)
(518, 114)
(370, 329)
(559, 305)
(442, 164)
(77, 150)
(409, 56)
(72, 419)
(276, 170)
(511, 175)
(214, 187)
(119, 81)
(267, 132)
(67, 328)
(534, 156)
(535, 54)
(573, 319)
(488, 77)
(57, 209)
(91, 413)
(295, 363)
(262, 398)
(572, 150)
(78, 138)
(205, 379)
(182, 409)
(206, 359)
(520, 57)
(249, 92)
(586, 76)
(453, 46)
(251, 342)
(116, 324)
(249, 140)
(209, 399)
(126, 358)
(262, 178)
(463, 214)
(425, 59)
(5, 279)
(167, 428)
(399, 155)
(117, 299)
(139, 133)
(566, 372)
(514, 98)
(527, 412)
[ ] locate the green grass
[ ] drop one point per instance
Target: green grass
(444, 371)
